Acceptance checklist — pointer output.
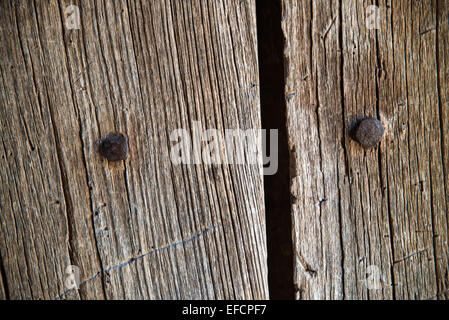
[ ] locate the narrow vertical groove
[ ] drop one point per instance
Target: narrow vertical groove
(3, 277)
(75, 104)
(432, 202)
(274, 116)
(378, 68)
(97, 249)
(382, 180)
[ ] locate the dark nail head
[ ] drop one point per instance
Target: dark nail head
(114, 147)
(369, 132)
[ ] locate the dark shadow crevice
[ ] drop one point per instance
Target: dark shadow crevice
(4, 280)
(274, 116)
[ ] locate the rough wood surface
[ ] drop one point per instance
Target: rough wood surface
(145, 228)
(368, 224)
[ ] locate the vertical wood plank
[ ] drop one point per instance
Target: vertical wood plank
(314, 121)
(368, 224)
(145, 228)
(3, 289)
(414, 163)
(442, 42)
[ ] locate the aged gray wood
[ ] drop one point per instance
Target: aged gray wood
(314, 98)
(361, 216)
(419, 212)
(144, 228)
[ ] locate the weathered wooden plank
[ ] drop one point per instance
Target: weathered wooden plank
(413, 159)
(314, 121)
(368, 224)
(442, 39)
(3, 294)
(365, 221)
(145, 228)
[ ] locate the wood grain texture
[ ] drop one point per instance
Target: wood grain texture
(362, 213)
(442, 38)
(144, 228)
